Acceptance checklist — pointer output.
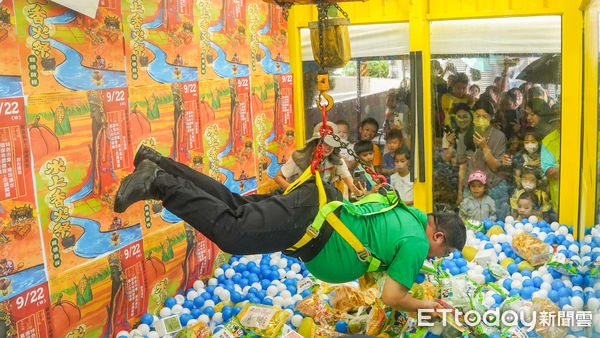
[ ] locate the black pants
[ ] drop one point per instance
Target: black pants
(242, 224)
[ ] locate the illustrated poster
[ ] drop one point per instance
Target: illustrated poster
(81, 151)
(224, 50)
(267, 29)
(160, 43)
(228, 138)
(19, 227)
(10, 75)
(166, 254)
(273, 115)
(27, 314)
(62, 50)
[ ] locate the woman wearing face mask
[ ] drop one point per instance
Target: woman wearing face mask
(490, 145)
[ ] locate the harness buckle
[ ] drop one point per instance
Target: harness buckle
(364, 255)
(312, 232)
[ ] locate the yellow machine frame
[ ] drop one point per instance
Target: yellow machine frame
(576, 207)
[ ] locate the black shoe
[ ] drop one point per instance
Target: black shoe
(146, 153)
(137, 186)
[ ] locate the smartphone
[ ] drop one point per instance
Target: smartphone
(448, 130)
(359, 176)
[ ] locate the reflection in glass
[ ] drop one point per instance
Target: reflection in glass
(496, 114)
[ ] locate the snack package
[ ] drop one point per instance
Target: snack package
(593, 267)
(455, 290)
(474, 225)
(346, 298)
(314, 307)
(201, 329)
(233, 329)
(264, 320)
(308, 329)
(376, 319)
(498, 271)
(563, 264)
(531, 248)
(544, 305)
(459, 325)
(288, 332)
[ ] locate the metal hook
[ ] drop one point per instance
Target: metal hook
(327, 97)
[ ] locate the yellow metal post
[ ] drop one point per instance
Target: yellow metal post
(295, 50)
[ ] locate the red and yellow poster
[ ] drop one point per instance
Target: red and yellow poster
(83, 301)
(166, 253)
(10, 75)
(273, 114)
(19, 228)
(199, 257)
(228, 138)
(81, 151)
(224, 50)
(27, 314)
(267, 29)
(62, 50)
(160, 43)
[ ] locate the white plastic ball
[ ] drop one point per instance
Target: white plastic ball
(282, 263)
(546, 286)
(296, 320)
(563, 231)
(296, 298)
(191, 322)
(153, 334)
(122, 333)
(516, 284)
(569, 238)
(225, 295)
(208, 303)
(278, 301)
(198, 285)
(290, 314)
(246, 289)
(543, 294)
(501, 256)
(243, 260)
(180, 299)
(218, 272)
(218, 317)
(186, 310)
(286, 294)
(165, 312)
(577, 302)
(488, 301)
(135, 333)
(554, 226)
(592, 304)
(532, 219)
(528, 227)
(204, 319)
(272, 291)
(290, 274)
(509, 220)
(542, 235)
(568, 283)
(235, 263)
(177, 309)
(281, 287)
(296, 267)
(274, 261)
(218, 290)
(192, 295)
(574, 248)
(228, 274)
(437, 329)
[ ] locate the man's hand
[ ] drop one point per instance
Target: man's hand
(480, 141)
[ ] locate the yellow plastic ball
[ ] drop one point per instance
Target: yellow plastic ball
(469, 253)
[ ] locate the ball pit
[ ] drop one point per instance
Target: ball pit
(490, 263)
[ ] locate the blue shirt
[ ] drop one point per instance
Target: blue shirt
(548, 160)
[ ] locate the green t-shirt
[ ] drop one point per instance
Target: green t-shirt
(397, 237)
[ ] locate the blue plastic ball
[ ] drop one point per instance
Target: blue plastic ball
(292, 289)
(553, 295)
(170, 302)
(225, 266)
(498, 298)
(209, 311)
(188, 304)
(147, 319)
(341, 326)
(305, 293)
(507, 283)
(454, 271)
(420, 278)
(554, 273)
(488, 246)
(464, 269)
(512, 268)
(557, 285)
(537, 281)
(196, 313)
(265, 283)
(185, 318)
(267, 301)
(526, 273)
(514, 292)
(526, 293)
(577, 280)
(210, 289)
(518, 260)
(527, 283)
(564, 301)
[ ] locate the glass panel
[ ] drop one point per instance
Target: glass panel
(373, 85)
(496, 111)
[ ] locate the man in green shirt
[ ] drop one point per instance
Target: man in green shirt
(401, 238)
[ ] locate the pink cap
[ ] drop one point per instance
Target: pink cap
(478, 175)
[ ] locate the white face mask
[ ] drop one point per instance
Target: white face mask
(528, 186)
(531, 147)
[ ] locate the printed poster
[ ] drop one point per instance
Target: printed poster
(160, 43)
(10, 74)
(228, 137)
(19, 228)
(166, 254)
(62, 50)
(154, 111)
(85, 301)
(273, 113)
(81, 150)
(224, 50)
(267, 29)
(27, 314)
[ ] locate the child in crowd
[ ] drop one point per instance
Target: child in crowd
(367, 132)
(531, 157)
(459, 94)
(529, 181)
(478, 205)
(344, 133)
(400, 180)
(364, 150)
(527, 205)
(394, 141)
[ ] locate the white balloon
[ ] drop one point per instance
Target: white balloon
(213, 281)
(228, 273)
(198, 285)
(218, 272)
(165, 312)
(218, 317)
(296, 267)
(204, 319)
(177, 309)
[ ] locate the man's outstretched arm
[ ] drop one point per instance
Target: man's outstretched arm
(396, 295)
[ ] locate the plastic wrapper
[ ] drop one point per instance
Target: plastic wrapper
(288, 332)
(544, 305)
(233, 328)
(314, 307)
(266, 321)
(498, 271)
(474, 225)
(531, 249)
(376, 319)
(593, 267)
(563, 264)
(457, 290)
(346, 298)
(308, 329)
